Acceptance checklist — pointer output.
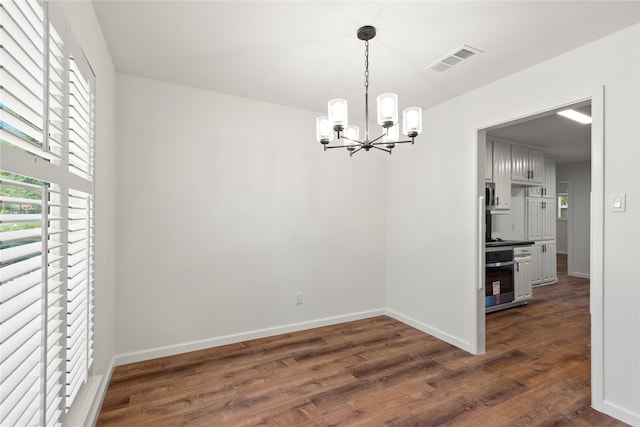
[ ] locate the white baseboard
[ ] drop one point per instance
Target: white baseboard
(553, 282)
(186, 347)
(581, 275)
(464, 345)
(616, 411)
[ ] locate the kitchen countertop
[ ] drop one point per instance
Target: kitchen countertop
(508, 243)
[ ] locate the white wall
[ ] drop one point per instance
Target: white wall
(512, 226)
(227, 207)
(86, 29)
(578, 176)
(432, 206)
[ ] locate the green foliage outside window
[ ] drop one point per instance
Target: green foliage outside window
(18, 192)
(563, 206)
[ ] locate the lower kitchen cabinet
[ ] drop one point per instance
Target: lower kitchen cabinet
(522, 280)
(543, 263)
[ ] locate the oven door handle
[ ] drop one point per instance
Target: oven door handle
(500, 264)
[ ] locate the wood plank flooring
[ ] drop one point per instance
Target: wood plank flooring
(378, 372)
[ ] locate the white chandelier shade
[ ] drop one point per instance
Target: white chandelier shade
(412, 121)
(338, 113)
(387, 109)
(324, 130)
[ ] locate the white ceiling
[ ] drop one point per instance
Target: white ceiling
(559, 137)
(303, 53)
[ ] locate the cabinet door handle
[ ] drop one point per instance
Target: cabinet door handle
(518, 267)
(497, 201)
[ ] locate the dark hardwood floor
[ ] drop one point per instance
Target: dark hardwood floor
(378, 372)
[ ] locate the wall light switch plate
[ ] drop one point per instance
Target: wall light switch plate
(619, 202)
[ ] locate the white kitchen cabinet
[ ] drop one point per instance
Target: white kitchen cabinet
(488, 176)
(527, 165)
(549, 184)
(543, 263)
(548, 188)
(502, 175)
(522, 277)
(541, 220)
(550, 263)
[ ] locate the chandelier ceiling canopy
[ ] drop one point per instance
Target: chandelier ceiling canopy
(337, 119)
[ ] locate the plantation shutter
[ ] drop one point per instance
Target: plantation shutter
(81, 121)
(21, 299)
(56, 99)
(79, 291)
(21, 223)
(47, 112)
(55, 306)
(22, 76)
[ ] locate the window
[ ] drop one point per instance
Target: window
(563, 205)
(47, 136)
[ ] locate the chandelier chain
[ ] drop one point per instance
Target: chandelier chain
(366, 90)
(366, 65)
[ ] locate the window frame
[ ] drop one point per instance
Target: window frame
(561, 206)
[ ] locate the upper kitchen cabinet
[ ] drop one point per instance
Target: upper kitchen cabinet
(527, 166)
(548, 188)
(541, 220)
(502, 176)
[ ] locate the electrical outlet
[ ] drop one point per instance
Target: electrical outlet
(298, 298)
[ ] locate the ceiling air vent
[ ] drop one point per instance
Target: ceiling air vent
(454, 58)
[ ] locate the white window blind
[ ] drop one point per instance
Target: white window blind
(21, 299)
(47, 104)
(79, 291)
(55, 306)
(81, 122)
(56, 91)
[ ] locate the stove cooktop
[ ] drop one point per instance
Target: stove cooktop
(499, 242)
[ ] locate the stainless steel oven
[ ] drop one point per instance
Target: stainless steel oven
(499, 275)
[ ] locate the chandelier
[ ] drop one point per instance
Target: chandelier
(337, 120)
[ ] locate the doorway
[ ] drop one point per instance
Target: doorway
(591, 152)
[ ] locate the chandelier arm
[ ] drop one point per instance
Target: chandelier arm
(327, 147)
(381, 149)
(409, 141)
(355, 151)
(353, 140)
(377, 139)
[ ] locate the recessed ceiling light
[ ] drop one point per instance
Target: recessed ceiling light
(576, 115)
